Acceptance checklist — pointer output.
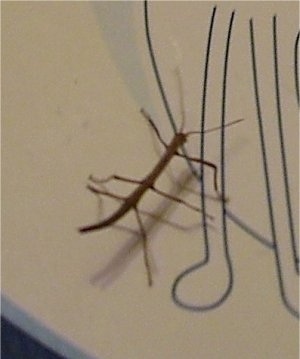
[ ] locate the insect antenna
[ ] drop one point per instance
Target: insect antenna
(217, 128)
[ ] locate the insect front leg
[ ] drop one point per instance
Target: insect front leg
(212, 166)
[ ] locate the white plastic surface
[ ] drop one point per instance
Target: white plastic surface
(72, 91)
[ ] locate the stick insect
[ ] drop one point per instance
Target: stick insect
(148, 183)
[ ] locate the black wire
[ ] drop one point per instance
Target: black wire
(161, 87)
(197, 266)
(282, 147)
(296, 67)
(155, 68)
(265, 168)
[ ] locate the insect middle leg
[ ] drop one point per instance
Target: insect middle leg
(113, 177)
(179, 200)
(152, 188)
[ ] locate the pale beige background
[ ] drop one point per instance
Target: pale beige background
(70, 108)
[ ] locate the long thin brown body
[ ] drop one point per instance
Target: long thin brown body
(132, 200)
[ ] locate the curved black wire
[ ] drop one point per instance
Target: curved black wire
(205, 260)
(296, 66)
(282, 148)
(222, 167)
(160, 85)
(155, 69)
(197, 266)
(202, 136)
(266, 242)
(265, 168)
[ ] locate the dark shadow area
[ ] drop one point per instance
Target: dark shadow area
(17, 344)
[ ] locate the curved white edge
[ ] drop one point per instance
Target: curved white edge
(40, 332)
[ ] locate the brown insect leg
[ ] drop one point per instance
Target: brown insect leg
(179, 200)
(206, 163)
(213, 167)
(113, 177)
(145, 247)
(182, 187)
(105, 193)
